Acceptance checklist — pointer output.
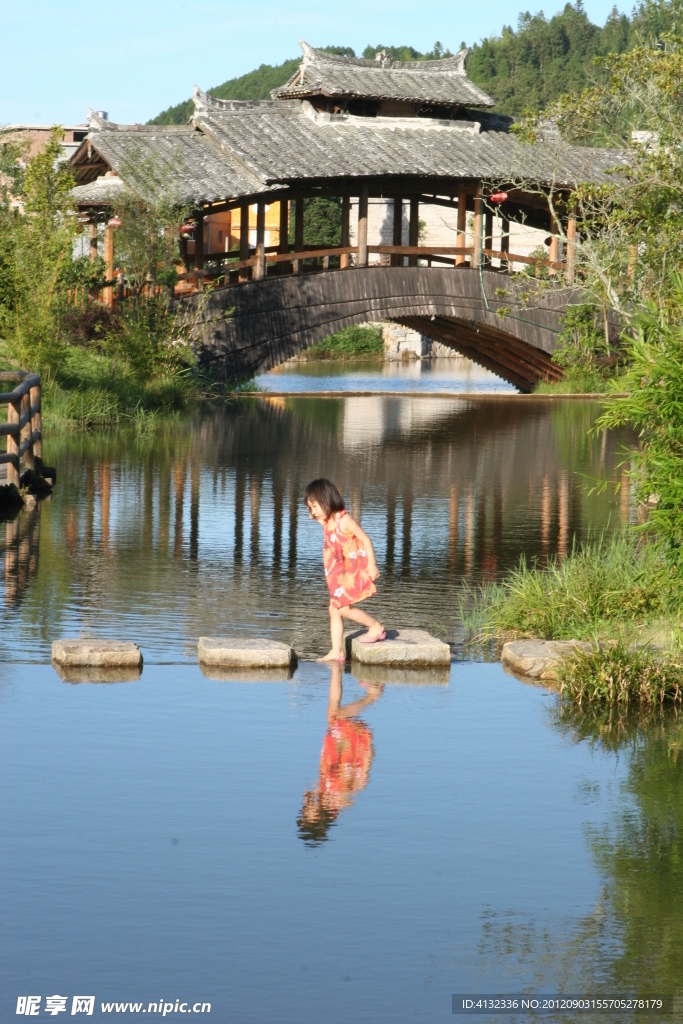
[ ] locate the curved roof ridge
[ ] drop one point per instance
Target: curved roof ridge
(444, 65)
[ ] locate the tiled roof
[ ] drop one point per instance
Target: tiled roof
(240, 149)
(289, 141)
(441, 82)
(182, 160)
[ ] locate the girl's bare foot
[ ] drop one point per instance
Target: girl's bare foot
(373, 635)
(333, 656)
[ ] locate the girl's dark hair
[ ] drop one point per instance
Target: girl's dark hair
(326, 494)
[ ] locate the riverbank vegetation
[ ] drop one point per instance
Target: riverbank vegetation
(363, 342)
(631, 264)
(99, 367)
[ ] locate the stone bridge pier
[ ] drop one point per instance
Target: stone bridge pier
(504, 324)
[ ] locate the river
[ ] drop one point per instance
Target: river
(179, 838)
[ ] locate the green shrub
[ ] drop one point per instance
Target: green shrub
(350, 343)
(621, 675)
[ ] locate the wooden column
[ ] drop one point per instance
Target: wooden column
(260, 268)
(199, 241)
(461, 236)
(92, 235)
(109, 264)
(25, 436)
(13, 414)
(345, 230)
(488, 235)
(283, 247)
(570, 267)
(397, 261)
(363, 227)
(553, 247)
(478, 227)
(414, 228)
(505, 241)
(36, 420)
(244, 240)
(299, 233)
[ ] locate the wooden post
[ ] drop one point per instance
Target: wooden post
(488, 235)
(345, 230)
(109, 264)
(363, 227)
(478, 227)
(553, 247)
(397, 261)
(13, 414)
(244, 240)
(283, 246)
(414, 228)
(199, 242)
(36, 420)
(26, 433)
(92, 235)
(182, 245)
(461, 236)
(570, 267)
(260, 268)
(505, 241)
(299, 232)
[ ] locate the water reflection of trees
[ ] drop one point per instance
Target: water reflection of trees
(201, 520)
(632, 942)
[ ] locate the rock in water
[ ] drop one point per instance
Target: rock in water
(240, 652)
(402, 648)
(96, 653)
(539, 659)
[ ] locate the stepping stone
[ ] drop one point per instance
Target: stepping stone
(539, 659)
(83, 674)
(96, 653)
(403, 648)
(239, 652)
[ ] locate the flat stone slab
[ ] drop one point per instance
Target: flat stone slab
(403, 648)
(539, 659)
(240, 652)
(96, 653)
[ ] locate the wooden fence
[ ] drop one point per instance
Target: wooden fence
(23, 426)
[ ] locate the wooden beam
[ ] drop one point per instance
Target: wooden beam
(414, 227)
(244, 242)
(109, 264)
(478, 227)
(345, 231)
(553, 248)
(299, 231)
(363, 226)
(260, 268)
(571, 251)
(199, 240)
(397, 261)
(461, 236)
(488, 234)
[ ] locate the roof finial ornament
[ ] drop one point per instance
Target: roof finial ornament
(384, 59)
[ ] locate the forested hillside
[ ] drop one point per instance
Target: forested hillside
(522, 69)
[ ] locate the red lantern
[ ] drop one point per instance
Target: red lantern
(498, 197)
(115, 222)
(186, 229)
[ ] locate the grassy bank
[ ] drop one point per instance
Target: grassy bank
(351, 343)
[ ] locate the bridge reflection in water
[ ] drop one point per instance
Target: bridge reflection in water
(200, 528)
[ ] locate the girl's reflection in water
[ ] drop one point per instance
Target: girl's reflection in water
(344, 762)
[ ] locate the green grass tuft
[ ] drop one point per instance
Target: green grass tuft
(617, 674)
(350, 343)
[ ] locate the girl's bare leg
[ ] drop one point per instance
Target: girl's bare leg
(337, 635)
(363, 619)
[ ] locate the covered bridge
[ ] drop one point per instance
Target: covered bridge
(415, 134)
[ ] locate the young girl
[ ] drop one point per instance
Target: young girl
(350, 566)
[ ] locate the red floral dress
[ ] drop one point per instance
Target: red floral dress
(346, 756)
(346, 564)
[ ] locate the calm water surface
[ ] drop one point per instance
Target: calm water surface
(446, 375)
(180, 837)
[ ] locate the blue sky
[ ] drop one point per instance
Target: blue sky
(136, 58)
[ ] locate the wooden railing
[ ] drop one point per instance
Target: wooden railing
(23, 426)
(258, 264)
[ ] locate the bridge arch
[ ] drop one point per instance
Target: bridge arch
(508, 327)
